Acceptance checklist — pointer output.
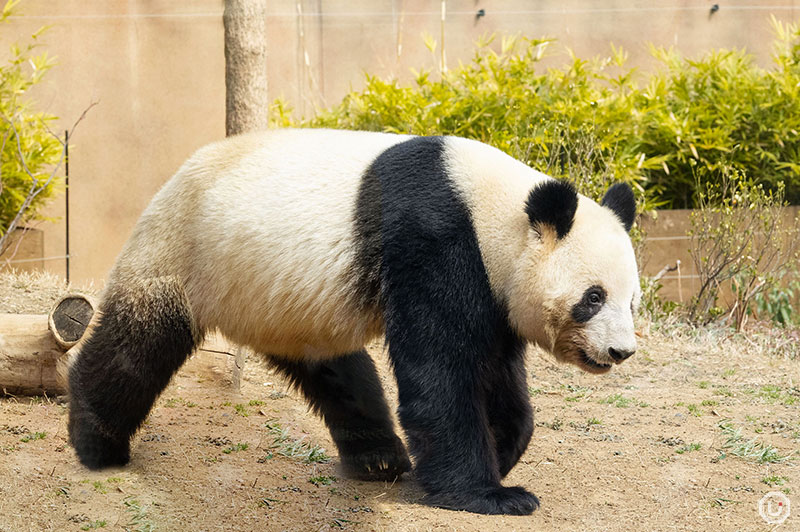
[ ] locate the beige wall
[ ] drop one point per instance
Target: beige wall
(156, 69)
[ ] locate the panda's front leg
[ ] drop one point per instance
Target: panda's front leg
(509, 407)
(439, 356)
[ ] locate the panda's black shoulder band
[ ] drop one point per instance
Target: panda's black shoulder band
(552, 203)
(619, 198)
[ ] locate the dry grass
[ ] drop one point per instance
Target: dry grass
(34, 292)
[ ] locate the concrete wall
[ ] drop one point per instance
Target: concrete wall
(156, 69)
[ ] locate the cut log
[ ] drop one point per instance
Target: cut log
(29, 356)
(69, 318)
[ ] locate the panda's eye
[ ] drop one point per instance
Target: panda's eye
(590, 304)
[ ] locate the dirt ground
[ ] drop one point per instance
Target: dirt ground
(687, 435)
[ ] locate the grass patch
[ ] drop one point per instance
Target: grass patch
(33, 437)
(94, 524)
(709, 402)
(241, 410)
(593, 421)
(617, 400)
(623, 402)
(178, 401)
(138, 520)
(284, 445)
(772, 394)
(703, 385)
(752, 449)
(533, 392)
(322, 480)
(724, 391)
(576, 392)
(775, 480)
(235, 448)
(255, 402)
(688, 448)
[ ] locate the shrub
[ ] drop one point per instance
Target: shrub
(28, 151)
(723, 111)
(738, 234)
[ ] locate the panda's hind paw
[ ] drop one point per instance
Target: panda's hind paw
(494, 501)
(385, 462)
(96, 451)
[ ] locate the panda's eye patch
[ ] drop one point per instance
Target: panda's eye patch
(590, 304)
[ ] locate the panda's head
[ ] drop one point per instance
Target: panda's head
(575, 287)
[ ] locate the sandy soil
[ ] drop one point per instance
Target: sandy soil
(688, 435)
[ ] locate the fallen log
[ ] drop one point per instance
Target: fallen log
(29, 356)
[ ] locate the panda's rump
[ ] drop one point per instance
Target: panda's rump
(273, 246)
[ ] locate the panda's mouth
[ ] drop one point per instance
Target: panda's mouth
(592, 366)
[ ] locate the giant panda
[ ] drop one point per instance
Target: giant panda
(306, 244)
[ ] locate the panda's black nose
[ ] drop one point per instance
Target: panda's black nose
(619, 354)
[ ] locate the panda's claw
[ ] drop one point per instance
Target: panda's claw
(384, 462)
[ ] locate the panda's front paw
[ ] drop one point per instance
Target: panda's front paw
(497, 500)
(383, 461)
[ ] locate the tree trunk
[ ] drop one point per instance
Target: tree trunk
(246, 103)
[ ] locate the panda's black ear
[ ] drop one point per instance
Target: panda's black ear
(552, 203)
(619, 198)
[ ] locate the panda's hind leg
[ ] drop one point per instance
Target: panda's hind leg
(143, 334)
(347, 393)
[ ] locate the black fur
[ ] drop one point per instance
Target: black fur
(367, 233)
(506, 391)
(552, 203)
(143, 336)
(585, 309)
(458, 367)
(620, 199)
(347, 393)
